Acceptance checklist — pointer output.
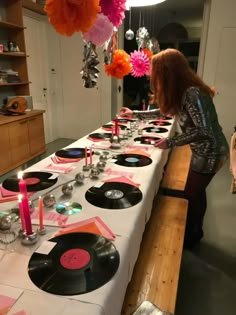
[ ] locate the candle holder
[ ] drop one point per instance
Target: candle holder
(86, 168)
(29, 240)
(42, 231)
(115, 142)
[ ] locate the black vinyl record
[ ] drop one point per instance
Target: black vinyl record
(125, 120)
(101, 136)
(109, 126)
(114, 195)
(160, 123)
(164, 117)
(35, 181)
(146, 140)
(78, 263)
(132, 160)
(155, 129)
(72, 153)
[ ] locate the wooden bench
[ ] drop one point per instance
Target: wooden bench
(156, 272)
(176, 171)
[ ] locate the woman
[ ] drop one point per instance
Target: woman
(180, 92)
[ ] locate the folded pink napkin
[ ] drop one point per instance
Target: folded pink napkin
(110, 171)
(58, 169)
(121, 179)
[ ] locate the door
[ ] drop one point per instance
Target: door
(35, 39)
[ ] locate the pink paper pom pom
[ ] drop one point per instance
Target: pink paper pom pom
(140, 63)
(100, 31)
(114, 10)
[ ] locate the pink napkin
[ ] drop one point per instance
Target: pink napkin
(110, 171)
(58, 169)
(49, 217)
(7, 195)
(121, 179)
(58, 160)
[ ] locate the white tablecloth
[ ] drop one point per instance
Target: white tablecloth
(127, 224)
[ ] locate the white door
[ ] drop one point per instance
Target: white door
(37, 61)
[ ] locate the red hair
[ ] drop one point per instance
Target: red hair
(171, 75)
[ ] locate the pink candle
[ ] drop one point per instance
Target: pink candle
(86, 156)
(143, 106)
(116, 126)
(22, 184)
(22, 220)
(40, 211)
(90, 155)
(26, 213)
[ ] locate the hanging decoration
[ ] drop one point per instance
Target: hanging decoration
(147, 52)
(89, 72)
(120, 64)
(114, 10)
(142, 37)
(129, 35)
(140, 63)
(109, 47)
(153, 45)
(71, 16)
(100, 31)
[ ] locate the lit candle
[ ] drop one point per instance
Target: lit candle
(86, 156)
(22, 220)
(26, 213)
(22, 184)
(90, 155)
(40, 211)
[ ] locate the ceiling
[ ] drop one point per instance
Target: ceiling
(181, 4)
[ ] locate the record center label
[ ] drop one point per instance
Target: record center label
(32, 180)
(132, 160)
(114, 194)
(74, 258)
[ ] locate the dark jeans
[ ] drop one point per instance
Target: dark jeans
(195, 193)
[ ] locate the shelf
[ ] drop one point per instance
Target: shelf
(4, 24)
(13, 54)
(14, 83)
(33, 7)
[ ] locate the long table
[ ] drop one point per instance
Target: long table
(127, 224)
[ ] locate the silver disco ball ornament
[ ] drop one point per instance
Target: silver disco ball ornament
(79, 178)
(67, 189)
(129, 35)
(49, 200)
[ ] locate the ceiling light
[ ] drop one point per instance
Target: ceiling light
(142, 3)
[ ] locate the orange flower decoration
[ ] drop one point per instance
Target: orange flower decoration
(120, 64)
(69, 16)
(147, 52)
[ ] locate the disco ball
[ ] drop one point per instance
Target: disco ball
(129, 35)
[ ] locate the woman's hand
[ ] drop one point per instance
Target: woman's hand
(125, 111)
(161, 144)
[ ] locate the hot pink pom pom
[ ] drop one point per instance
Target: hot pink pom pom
(100, 31)
(140, 63)
(114, 10)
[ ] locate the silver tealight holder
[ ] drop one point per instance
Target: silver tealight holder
(115, 142)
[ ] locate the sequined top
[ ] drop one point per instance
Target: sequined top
(201, 130)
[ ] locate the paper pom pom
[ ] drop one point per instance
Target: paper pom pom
(147, 52)
(69, 16)
(100, 31)
(120, 65)
(140, 63)
(114, 10)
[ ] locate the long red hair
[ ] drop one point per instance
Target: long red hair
(171, 75)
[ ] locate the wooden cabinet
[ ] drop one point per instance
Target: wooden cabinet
(13, 58)
(22, 138)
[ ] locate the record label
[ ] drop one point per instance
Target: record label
(68, 207)
(79, 263)
(75, 258)
(35, 181)
(155, 129)
(132, 160)
(114, 195)
(146, 140)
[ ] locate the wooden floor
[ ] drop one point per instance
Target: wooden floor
(156, 273)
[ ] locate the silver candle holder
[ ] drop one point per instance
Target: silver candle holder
(30, 239)
(115, 142)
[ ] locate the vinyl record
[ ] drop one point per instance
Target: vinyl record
(132, 160)
(114, 195)
(146, 140)
(68, 207)
(164, 117)
(109, 127)
(160, 123)
(78, 263)
(101, 136)
(72, 153)
(35, 181)
(125, 120)
(155, 129)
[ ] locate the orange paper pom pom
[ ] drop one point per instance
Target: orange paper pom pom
(69, 16)
(147, 52)
(120, 64)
